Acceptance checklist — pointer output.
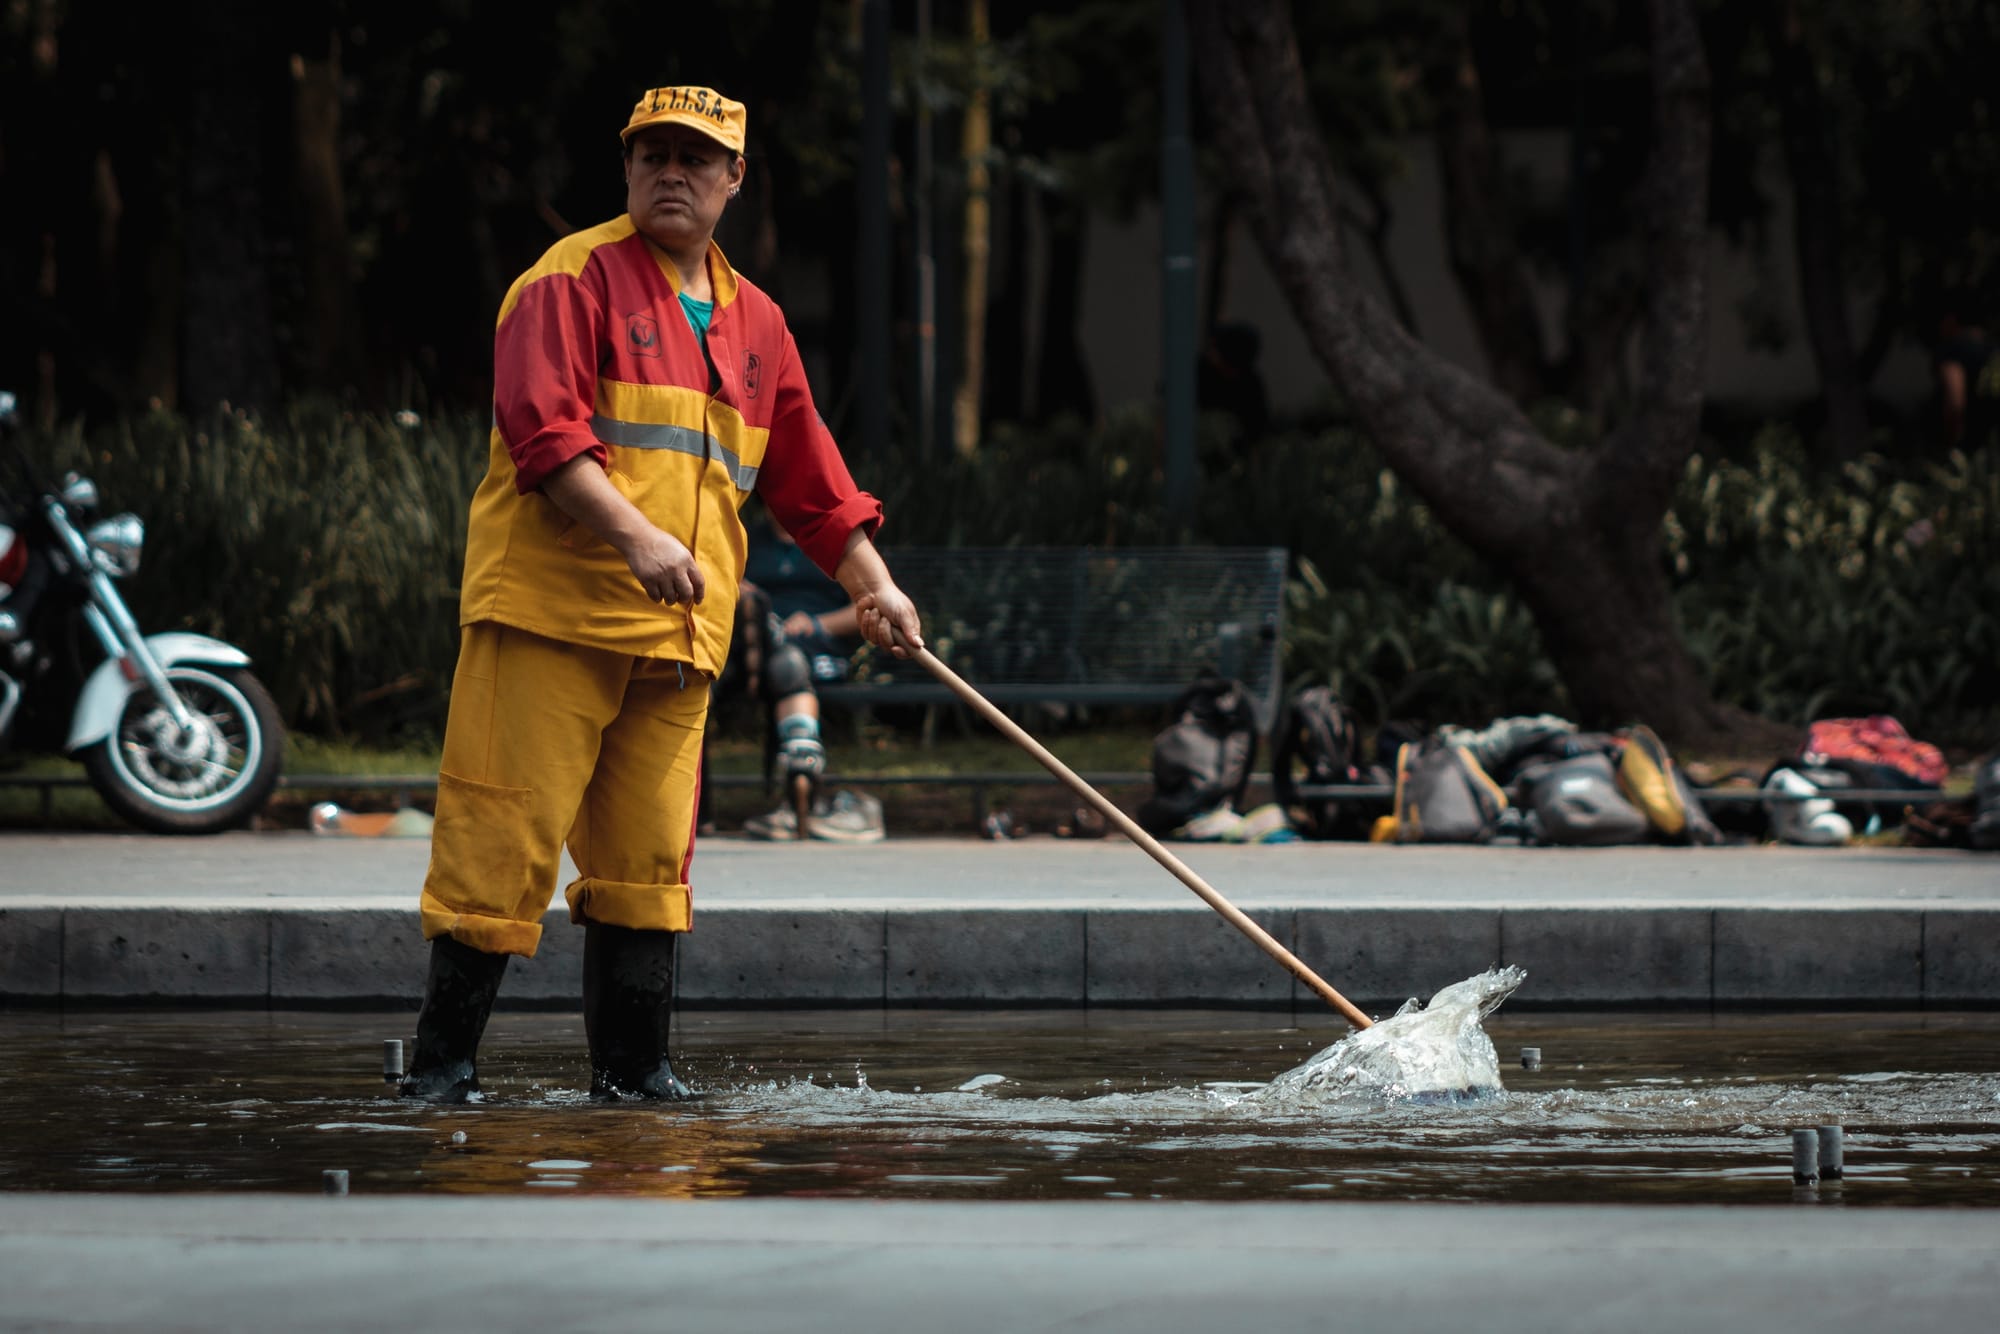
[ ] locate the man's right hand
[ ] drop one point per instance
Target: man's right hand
(664, 567)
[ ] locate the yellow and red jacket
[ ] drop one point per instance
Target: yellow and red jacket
(593, 354)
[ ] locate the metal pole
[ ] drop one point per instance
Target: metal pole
(1177, 276)
(1126, 825)
(872, 267)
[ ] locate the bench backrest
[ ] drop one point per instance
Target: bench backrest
(1110, 625)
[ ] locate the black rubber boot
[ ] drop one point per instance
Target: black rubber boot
(628, 988)
(458, 997)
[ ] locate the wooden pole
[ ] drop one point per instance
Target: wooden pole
(1127, 826)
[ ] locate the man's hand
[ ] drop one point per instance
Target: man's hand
(885, 612)
(881, 610)
(664, 567)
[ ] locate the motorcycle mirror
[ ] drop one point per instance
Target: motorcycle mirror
(8, 403)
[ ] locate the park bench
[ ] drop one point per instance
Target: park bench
(1083, 625)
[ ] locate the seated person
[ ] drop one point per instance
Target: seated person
(795, 628)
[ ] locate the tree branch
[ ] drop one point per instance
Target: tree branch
(1462, 444)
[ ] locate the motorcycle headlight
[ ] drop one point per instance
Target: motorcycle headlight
(115, 542)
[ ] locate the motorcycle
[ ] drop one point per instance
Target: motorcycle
(175, 733)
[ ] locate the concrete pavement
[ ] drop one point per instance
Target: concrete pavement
(494, 1263)
(290, 919)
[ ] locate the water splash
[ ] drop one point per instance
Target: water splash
(1422, 1053)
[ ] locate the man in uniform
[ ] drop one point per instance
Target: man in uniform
(642, 390)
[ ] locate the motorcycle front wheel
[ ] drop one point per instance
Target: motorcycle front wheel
(212, 777)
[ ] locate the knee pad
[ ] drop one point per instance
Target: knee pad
(786, 672)
(799, 749)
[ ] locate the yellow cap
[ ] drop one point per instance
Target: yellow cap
(701, 109)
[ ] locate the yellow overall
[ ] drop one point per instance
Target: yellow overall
(552, 743)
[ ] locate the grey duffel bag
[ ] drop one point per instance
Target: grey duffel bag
(1577, 802)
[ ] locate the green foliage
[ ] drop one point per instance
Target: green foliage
(1863, 589)
(328, 545)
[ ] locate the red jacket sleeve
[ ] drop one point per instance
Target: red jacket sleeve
(803, 479)
(545, 377)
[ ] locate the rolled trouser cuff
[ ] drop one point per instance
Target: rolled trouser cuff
(637, 907)
(489, 935)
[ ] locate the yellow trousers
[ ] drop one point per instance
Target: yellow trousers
(548, 743)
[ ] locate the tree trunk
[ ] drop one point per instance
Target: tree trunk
(329, 353)
(1577, 531)
(1816, 210)
(976, 140)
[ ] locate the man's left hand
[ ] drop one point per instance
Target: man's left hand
(886, 612)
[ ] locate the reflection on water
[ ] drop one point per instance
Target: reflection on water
(996, 1105)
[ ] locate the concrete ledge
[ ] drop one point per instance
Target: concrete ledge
(756, 955)
(1576, 958)
(220, 954)
(31, 951)
(1183, 956)
(1637, 956)
(289, 920)
(1819, 955)
(1380, 957)
(1961, 955)
(341, 954)
(986, 956)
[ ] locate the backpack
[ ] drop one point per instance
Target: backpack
(1202, 759)
(1897, 759)
(1443, 796)
(1316, 742)
(1578, 802)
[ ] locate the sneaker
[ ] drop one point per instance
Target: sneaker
(1220, 825)
(851, 817)
(1263, 824)
(779, 826)
(1812, 822)
(1646, 773)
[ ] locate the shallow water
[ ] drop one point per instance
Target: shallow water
(902, 1104)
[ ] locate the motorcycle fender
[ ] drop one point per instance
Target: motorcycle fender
(104, 694)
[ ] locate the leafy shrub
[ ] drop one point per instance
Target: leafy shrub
(330, 544)
(326, 544)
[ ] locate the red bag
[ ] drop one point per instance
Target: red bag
(1878, 739)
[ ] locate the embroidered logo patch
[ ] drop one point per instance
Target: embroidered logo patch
(642, 335)
(753, 370)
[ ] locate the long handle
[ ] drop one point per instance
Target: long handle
(1126, 825)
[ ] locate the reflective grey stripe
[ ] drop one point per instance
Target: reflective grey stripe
(679, 439)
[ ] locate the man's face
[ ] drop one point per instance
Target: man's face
(676, 183)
